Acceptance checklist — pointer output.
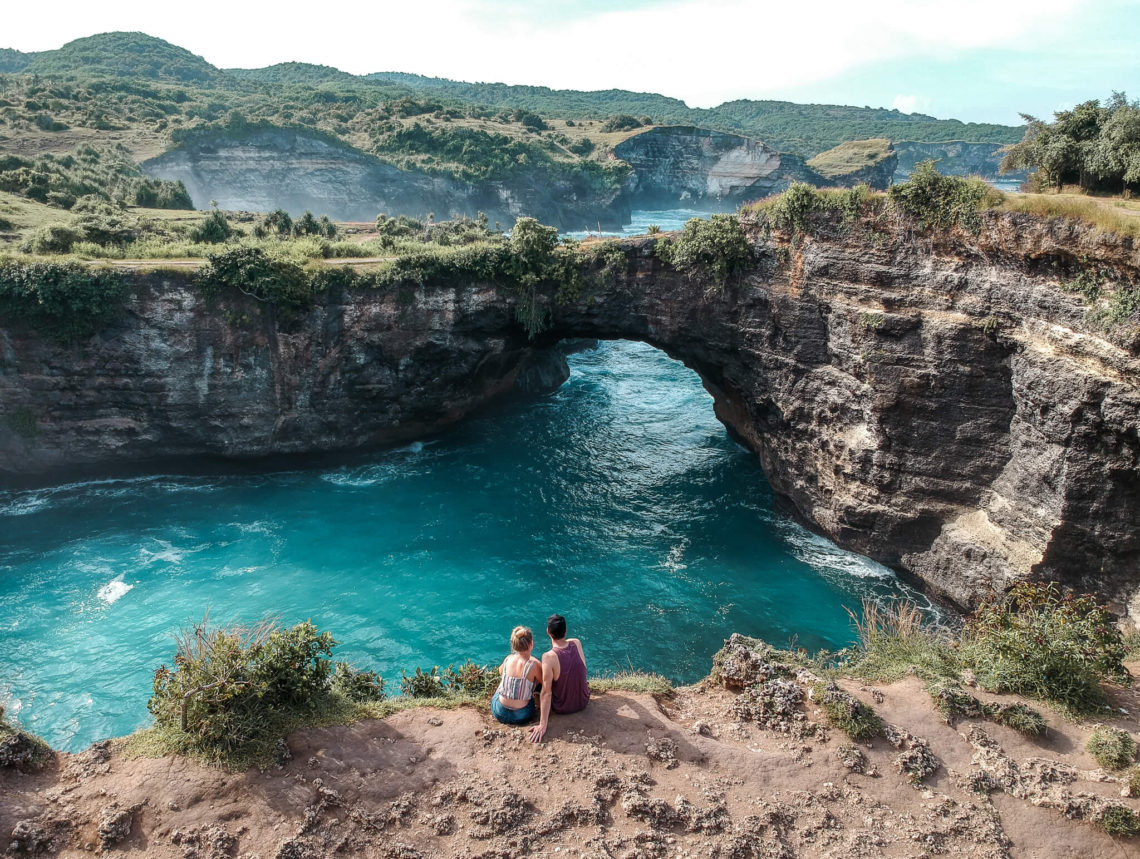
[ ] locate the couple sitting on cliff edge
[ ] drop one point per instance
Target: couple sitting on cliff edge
(559, 678)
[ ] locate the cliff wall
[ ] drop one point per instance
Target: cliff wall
(285, 168)
(678, 166)
(939, 405)
(954, 159)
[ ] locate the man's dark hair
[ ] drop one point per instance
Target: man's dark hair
(556, 626)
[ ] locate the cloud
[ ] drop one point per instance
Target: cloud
(905, 103)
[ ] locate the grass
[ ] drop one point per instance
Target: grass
(846, 712)
(895, 641)
(1107, 214)
(850, 157)
(1113, 748)
(39, 752)
(632, 681)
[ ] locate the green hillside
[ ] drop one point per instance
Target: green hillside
(145, 95)
(126, 55)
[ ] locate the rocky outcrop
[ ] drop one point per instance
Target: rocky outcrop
(955, 159)
(707, 170)
(267, 169)
(939, 405)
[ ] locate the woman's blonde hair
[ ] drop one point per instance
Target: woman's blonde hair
(521, 639)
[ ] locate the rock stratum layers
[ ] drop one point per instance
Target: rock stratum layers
(266, 169)
(939, 404)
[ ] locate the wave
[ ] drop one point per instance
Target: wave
(114, 590)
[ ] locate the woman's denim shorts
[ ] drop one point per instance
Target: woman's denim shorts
(512, 717)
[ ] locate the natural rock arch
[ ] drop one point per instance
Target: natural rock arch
(946, 410)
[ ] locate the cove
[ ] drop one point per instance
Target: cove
(619, 501)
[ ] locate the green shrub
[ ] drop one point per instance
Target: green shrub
(399, 227)
(1133, 781)
(52, 239)
(1021, 717)
(943, 202)
(1119, 821)
(234, 688)
(1113, 748)
(472, 679)
(356, 685)
(6, 226)
(622, 122)
(846, 712)
(712, 250)
(895, 641)
(254, 273)
(422, 684)
(64, 301)
(213, 229)
(1039, 643)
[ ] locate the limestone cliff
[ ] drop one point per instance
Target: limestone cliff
(954, 159)
(679, 166)
(938, 404)
(267, 169)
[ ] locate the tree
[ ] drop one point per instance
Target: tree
(1096, 147)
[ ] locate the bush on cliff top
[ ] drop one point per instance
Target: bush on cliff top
(1044, 644)
(944, 202)
(711, 251)
(233, 693)
(65, 301)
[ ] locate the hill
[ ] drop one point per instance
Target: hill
(132, 55)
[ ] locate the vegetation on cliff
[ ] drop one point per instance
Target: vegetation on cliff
(1094, 146)
(19, 749)
(851, 157)
(152, 94)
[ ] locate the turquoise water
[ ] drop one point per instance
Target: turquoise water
(619, 501)
(666, 219)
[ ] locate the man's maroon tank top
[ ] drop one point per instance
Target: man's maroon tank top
(571, 691)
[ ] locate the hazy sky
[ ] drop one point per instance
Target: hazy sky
(983, 60)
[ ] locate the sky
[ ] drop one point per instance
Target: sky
(976, 60)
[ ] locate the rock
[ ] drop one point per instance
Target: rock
(663, 750)
(20, 750)
(282, 168)
(953, 159)
(28, 836)
(702, 169)
(937, 403)
(114, 824)
(543, 371)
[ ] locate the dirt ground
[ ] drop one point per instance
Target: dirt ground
(690, 775)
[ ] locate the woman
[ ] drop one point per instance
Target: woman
(513, 701)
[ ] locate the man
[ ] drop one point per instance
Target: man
(564, 685)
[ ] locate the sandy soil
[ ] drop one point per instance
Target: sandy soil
(632, 776)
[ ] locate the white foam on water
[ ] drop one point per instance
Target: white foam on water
(823, 555)
(168, 552)
(674, 561)
(24, 504)
(114, 590)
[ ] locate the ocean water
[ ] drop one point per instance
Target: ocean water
(666, 219)
(618, 501)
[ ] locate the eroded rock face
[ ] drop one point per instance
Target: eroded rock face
(709, 170)
(943, 408)
(954, 159)
(267, 169)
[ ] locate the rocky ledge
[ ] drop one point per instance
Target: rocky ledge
(940, 404)
(709, 771)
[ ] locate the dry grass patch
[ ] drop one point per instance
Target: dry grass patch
(850, 156)
(1110, 215)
